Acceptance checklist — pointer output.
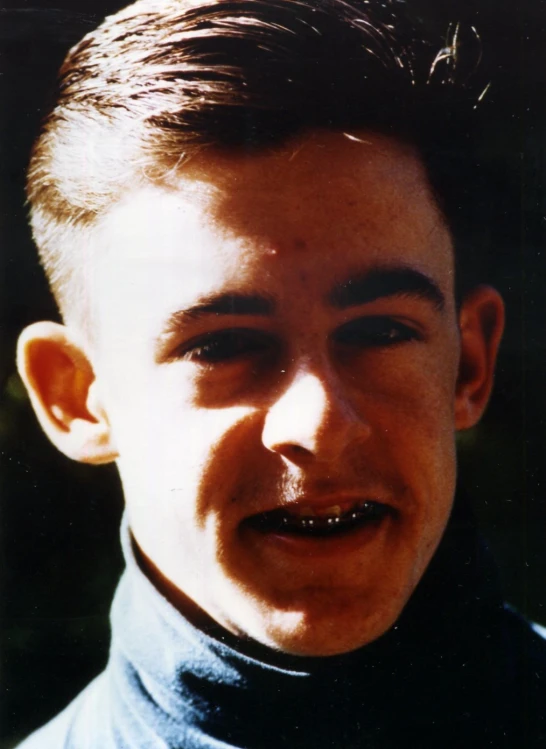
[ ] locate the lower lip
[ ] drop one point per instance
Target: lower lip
(325, 546)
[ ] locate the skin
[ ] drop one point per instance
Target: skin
(312, 401)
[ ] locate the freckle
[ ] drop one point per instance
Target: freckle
(300, 244)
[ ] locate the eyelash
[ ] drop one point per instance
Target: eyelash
(226, 345)
(374, 332)
(233, 344)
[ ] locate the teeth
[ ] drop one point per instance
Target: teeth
(303, 512)
(306, 517)
(333, 514)
(324, 521)
(325, 512)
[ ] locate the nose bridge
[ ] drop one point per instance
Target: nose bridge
(312, 414)
(305, 401)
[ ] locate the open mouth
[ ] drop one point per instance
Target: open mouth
(334, 520)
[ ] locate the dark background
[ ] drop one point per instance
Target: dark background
(59, 520)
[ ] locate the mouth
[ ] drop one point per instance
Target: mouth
(326, 522)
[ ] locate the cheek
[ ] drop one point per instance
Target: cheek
(172, 449)
(416, 448)
(410, 404)
(416, 392)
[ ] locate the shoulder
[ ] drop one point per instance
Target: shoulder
(540, 631)
(526, 685)
(528, 640)
(72, 727)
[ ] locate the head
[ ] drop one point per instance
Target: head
(240, 209)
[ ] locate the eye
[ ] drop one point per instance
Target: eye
(226, 346)
(376, 331)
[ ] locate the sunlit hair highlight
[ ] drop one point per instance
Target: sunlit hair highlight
(164, 79)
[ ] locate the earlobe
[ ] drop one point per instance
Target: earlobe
(63, 391)
(481, 323)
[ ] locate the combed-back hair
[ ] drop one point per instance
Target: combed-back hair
(164, 79)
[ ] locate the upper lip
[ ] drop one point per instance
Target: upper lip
(321, 501)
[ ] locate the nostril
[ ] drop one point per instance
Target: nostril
(291, 451)
(295, 451)
(299, 449)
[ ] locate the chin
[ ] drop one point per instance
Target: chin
(323, 644)
(302, 634)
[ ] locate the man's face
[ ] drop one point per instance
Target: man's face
(277, 352)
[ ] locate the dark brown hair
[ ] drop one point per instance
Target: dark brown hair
(163, 79)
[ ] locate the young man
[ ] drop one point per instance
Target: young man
(247, 215)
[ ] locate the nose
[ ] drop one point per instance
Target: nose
(312, 420)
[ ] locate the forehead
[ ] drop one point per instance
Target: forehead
(353, 177)
(330, 204)
(316, 178)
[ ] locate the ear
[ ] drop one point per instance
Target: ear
(63, 391)
(481, 323)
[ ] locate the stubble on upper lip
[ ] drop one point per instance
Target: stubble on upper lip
(321, 494)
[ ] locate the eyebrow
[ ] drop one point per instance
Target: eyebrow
(356, 290)
(385, 282)
(222, 304)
